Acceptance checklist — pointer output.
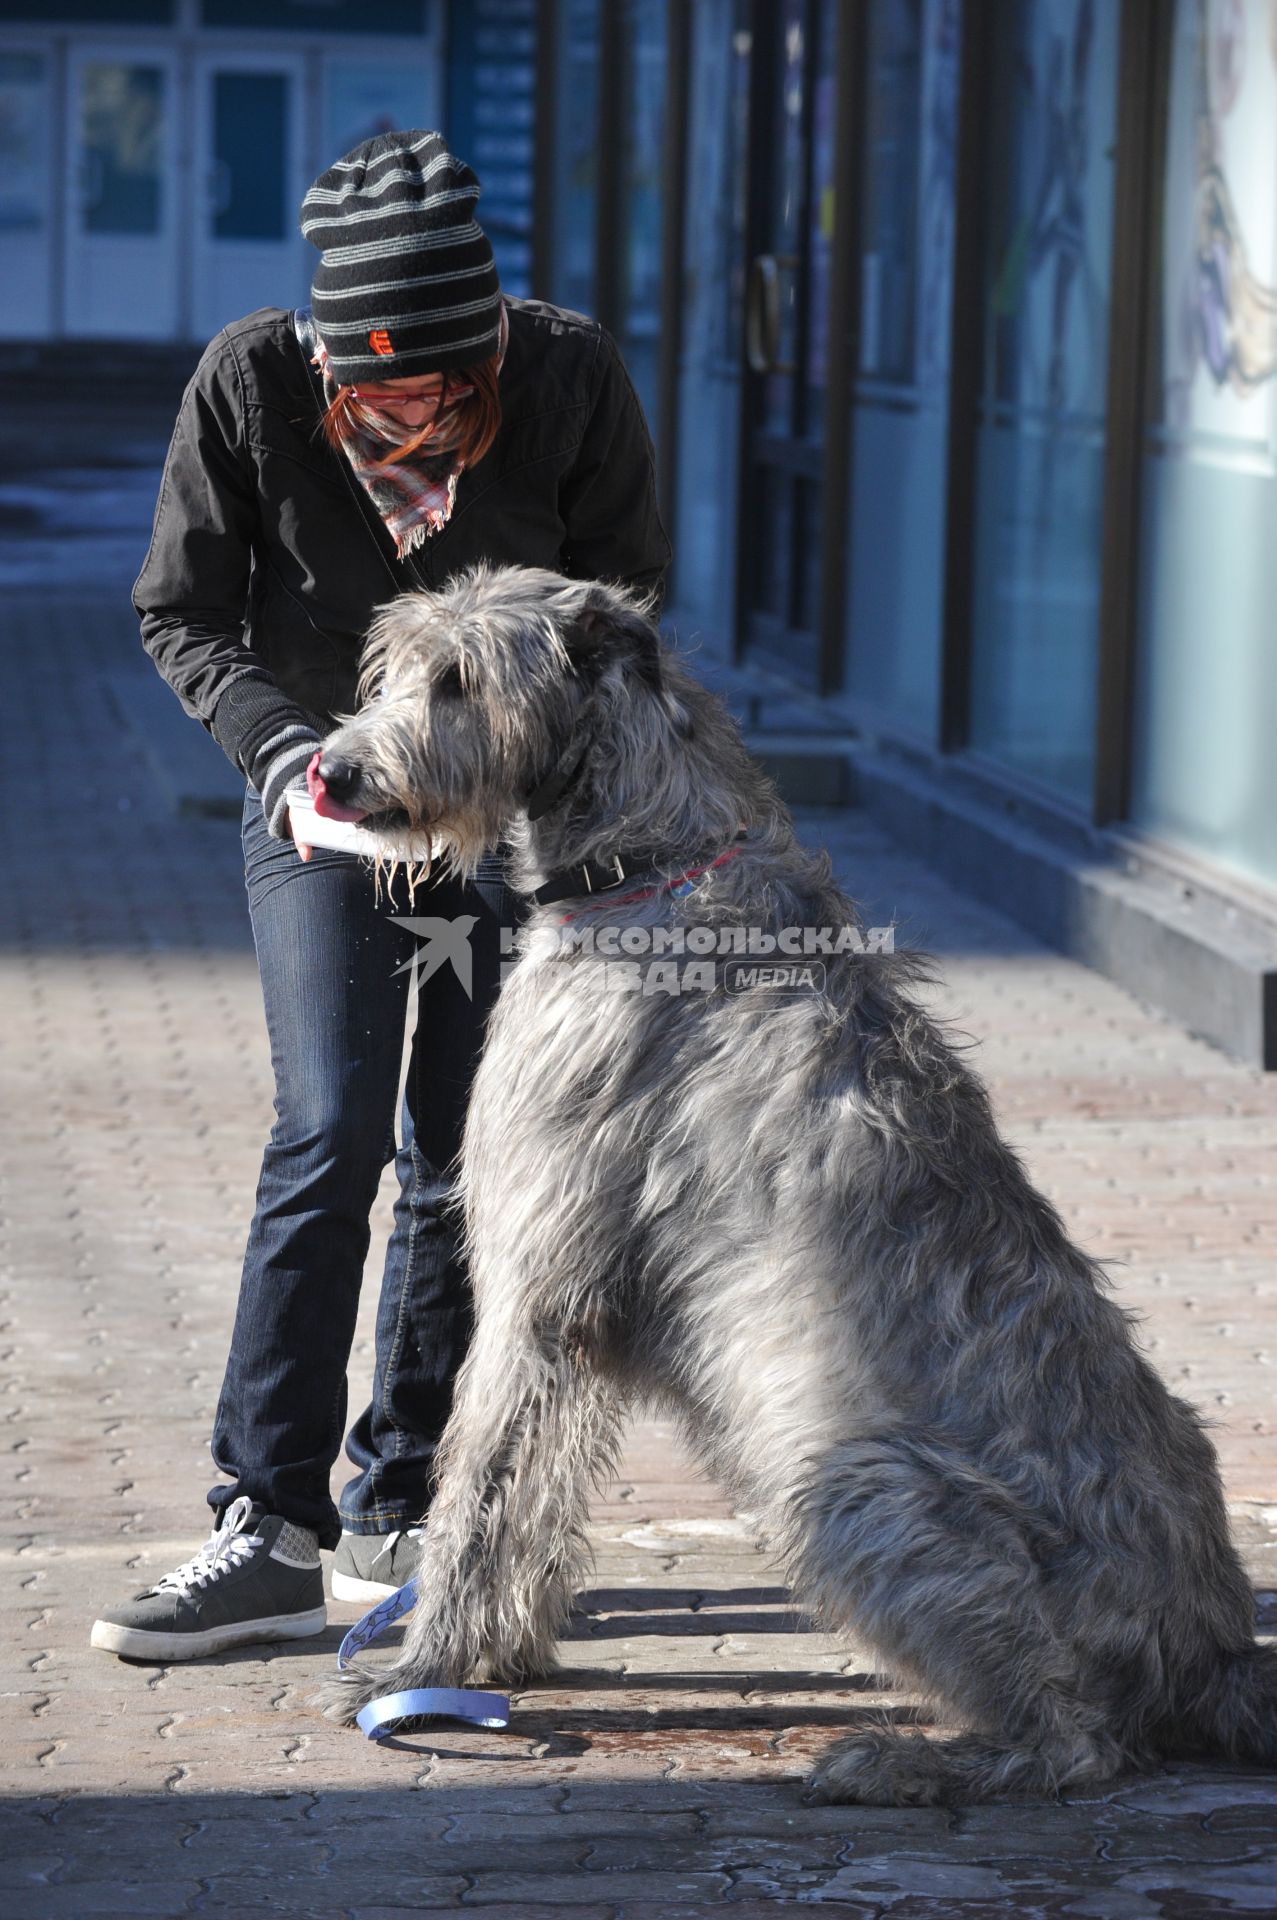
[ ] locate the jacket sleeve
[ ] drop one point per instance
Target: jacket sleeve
(192, 593)
(608, 497)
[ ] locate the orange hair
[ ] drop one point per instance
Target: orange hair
(479, 415)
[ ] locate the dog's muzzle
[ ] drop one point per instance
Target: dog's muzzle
(330, 782)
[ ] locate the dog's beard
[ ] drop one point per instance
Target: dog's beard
(461, 838)
(468, 833)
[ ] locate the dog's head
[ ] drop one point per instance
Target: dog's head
(484, 699)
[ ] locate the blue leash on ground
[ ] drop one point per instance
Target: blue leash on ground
(380, 1717)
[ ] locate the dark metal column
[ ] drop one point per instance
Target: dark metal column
(673, 191)
(964, 373)
(545, 130)
(760, 56)
(610, 151)
(843, 337)
(1142, 87)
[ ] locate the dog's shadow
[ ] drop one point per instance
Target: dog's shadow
(561, 1730)
(551, 1732)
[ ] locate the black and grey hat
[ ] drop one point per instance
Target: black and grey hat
(406, 282)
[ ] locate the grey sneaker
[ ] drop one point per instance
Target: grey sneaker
(372, 1566)
(257, 1578)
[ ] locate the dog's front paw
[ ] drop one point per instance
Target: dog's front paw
(880, 1770)
(509, 1672)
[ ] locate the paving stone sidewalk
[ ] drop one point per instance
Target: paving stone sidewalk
(660, 1774)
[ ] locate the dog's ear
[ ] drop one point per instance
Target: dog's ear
(607, 629)
(606, 633)
(587, 639)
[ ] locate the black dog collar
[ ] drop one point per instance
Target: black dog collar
(593, 876)
(589, 877)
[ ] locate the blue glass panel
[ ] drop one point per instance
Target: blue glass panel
(1206, 668)
(900, 421)
(784, 143)
(820, 215)
(1041, 405)
(491, 107)
(121, 136)
(24, 142)
(250, 146)
(366, 97)
(640, 313)
(576, 156)
(898, 31)
(703, 535)
(320, 16)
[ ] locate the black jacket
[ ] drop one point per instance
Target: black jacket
(267, 558)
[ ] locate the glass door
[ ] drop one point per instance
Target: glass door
(790, 231)
(249, 251)
(26, 194)
(708, 424)
(639, 294)
(121, 256)
(576, 155)
(1204, 774)
(1049, 174)
(899, 419)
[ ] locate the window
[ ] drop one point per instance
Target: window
(900, 414)
(639, 313)
(708, 434)
(1206, 663)
(576, 157)
(1040, 461)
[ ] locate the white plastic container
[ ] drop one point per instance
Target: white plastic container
(347, 836)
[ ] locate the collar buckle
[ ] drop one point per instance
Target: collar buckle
(615, 864)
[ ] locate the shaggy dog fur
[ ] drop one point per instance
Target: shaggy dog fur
(789, 1218)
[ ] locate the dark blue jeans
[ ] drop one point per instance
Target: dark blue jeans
(335, 971)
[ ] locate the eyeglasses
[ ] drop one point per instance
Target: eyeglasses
(431, 398)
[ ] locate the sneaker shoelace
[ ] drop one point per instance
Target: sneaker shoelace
(229, 1547)
(400, 1533)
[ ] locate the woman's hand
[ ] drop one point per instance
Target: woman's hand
(300, 845)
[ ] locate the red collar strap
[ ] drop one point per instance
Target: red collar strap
(604, 877)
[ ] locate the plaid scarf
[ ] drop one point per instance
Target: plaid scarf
(413, 496)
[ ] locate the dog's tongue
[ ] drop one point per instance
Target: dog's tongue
(326, 807)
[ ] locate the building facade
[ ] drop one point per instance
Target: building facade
(155, 153)
(956, 323)
(957, 320)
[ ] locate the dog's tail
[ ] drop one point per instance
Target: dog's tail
(1234, 1711)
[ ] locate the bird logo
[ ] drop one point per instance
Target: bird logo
(443, 941)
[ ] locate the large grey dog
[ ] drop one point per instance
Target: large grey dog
(788, 1216)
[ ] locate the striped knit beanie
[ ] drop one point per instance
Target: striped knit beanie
(406, 281)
